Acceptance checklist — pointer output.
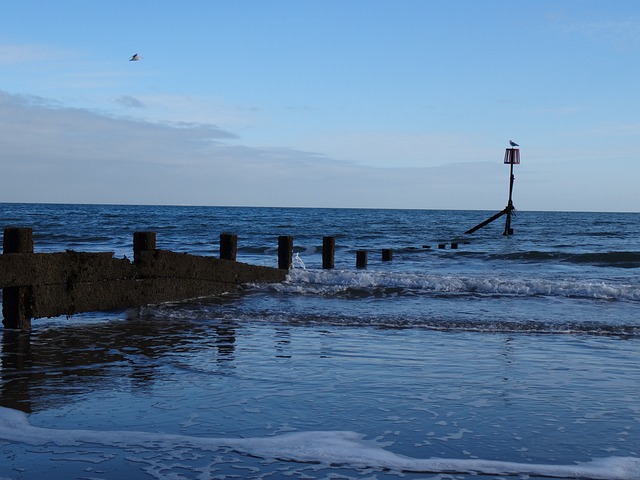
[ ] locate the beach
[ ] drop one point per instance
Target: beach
(510, 356)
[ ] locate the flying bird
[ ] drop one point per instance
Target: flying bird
(513, 144)
(135, 58)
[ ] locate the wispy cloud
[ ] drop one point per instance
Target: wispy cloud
(189, 108)
(620, 32)
(55, 71)
(562, 111)
(11, 54)
(53, 153)
(129, 101)
(403, 149)
(629, 130)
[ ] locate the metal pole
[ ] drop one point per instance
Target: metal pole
(507, 228)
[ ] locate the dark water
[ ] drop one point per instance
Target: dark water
(519, 349)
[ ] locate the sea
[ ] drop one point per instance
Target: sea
(512, 356)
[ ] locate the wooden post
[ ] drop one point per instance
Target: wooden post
(328, 252)
(143, 242)
(228, 246)
(16, 301)
(361, 259)
(285, 252)
(17, 240)
(387, 254)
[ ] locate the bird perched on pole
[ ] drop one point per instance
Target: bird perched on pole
(513, 144)
(135, 57)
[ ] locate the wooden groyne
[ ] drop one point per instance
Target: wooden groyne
(36, 285)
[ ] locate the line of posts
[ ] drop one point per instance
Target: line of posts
(16, 298)
(229, 249)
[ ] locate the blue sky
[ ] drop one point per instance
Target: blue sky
(332, 103)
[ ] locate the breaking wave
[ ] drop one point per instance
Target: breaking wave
(362, 283)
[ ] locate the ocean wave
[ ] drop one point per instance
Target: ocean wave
(611, 259)
(451, 323)
(366, 283)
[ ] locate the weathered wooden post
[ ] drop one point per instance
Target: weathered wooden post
(143, 242)
(328, 252)
(387, 254)
(17, 240)
(361, 259)
(16, 301)
(285, 252)
(228, 246)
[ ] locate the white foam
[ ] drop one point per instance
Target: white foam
(326, 448)
(332, 281)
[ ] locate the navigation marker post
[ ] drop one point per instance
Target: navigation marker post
(511, 157)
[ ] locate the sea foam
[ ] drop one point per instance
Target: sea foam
(330, 282)
(348, 449)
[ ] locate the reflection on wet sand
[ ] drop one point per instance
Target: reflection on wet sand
(45, 367)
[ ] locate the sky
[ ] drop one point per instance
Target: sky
(323, 103)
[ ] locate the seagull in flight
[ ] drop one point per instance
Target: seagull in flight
(513, 144)
(135, 58)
